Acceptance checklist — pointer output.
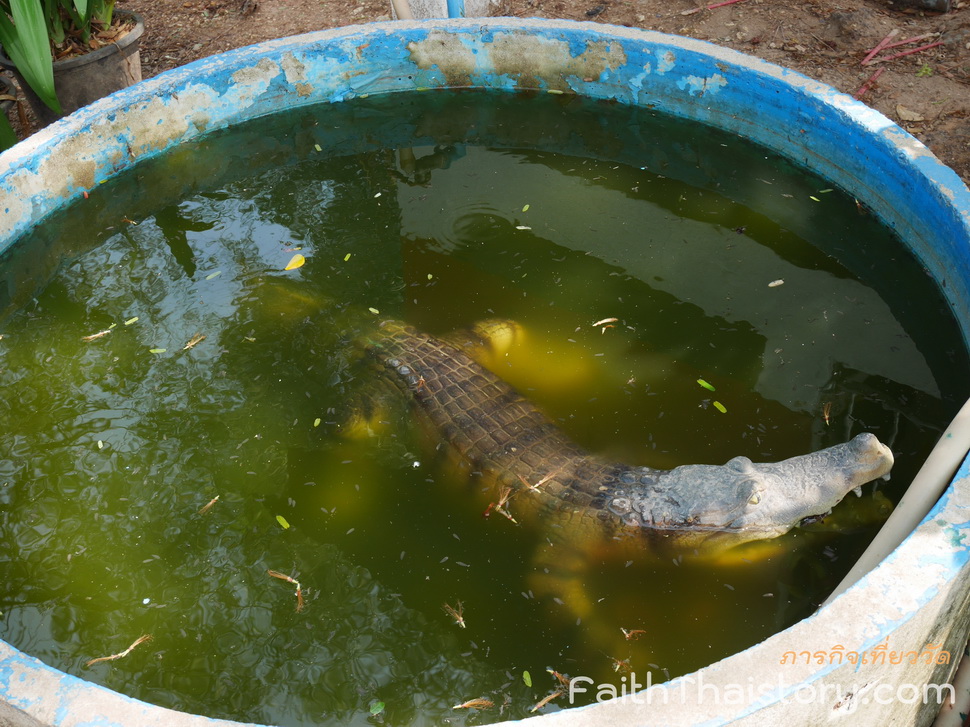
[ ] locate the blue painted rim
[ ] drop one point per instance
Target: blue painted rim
(815, 126)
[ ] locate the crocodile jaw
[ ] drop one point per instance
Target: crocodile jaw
(740, 501)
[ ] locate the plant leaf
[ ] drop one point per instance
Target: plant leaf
(295, 262)
(25, 40)
(7, 136)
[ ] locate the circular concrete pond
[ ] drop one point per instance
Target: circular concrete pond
(875, 651)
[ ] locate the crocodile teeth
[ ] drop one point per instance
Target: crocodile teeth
(858, 491)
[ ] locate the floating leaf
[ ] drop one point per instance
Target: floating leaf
(316, 422)
(131, 320)
(814, 198)
(295, 262)
(317, 147)
(216, 274)
(156, 350)
(527, 678)
(430, 276)
(376, 707)
(525, 208)
(374, 311)
(706, 385)
(522, 227)
(347, 257)
(282, 521)
(720, 407)
(776, 283)
(100, 444)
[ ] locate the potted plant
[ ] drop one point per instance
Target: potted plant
(68, 53)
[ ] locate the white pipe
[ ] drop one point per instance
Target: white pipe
(930, 482)
(402, 9)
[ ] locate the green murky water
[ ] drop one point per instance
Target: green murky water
(721, 264)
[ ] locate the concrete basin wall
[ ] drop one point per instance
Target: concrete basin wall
(868, 655)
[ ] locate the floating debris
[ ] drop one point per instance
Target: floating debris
(131, 320)
(527, 678)
(480, 703)
(776, 283)
(548, 698)
(295, 582)
(632, 634)
(122, 654)
(455, 613)
(208, 506)
(96, 336)
(605, 323)
(194, 341)
(706, 385)
(504, 495)
(620, 666)
(720, 407)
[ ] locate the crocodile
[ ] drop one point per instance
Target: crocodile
(589, 500)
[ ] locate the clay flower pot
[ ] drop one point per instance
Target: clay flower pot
(80, 80)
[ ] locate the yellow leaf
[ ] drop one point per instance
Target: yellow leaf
(282, 521)
(295, 262)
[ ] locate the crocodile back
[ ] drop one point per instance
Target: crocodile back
(496, 430)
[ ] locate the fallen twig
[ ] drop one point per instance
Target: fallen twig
(294, 581)
(139, 640)
(909, 52)
(710, 7)
(868, 84)
(548, 698)
(879, 46)
(914, 39)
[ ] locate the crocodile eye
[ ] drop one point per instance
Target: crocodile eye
(740, 464)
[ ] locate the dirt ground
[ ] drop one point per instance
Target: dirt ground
(926, 92)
